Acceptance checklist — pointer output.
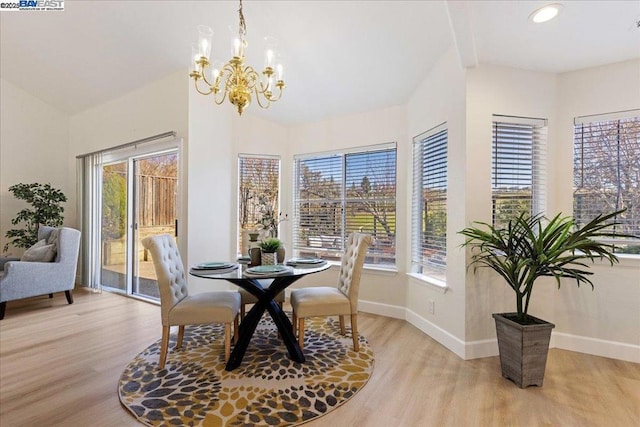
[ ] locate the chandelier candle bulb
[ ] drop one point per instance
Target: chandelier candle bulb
(194, 69)
(204, 42)
(280, 72)
(270, 48)
(237, 47)
(268, 62)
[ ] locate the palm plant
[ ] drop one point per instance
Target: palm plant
(531, 246)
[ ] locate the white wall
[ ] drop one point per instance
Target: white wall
(441, 98)
(33, 148)
(158, 107)
(257, 136)
(611, 312)
(210, 189)
(605, 321)
(381, 291)
(506, 91)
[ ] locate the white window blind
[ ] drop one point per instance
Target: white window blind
(429, 203)
(606, 169)
(518, 167)
(258, 192)
(340, 193)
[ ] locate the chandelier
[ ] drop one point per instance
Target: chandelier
(235, 79)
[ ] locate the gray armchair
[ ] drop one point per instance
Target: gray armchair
(21, 279)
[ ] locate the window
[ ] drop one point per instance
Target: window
(517, 167)
(339, 193)
(258, 194)
(606, 172)
(429, 203)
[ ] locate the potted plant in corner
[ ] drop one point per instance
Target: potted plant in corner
(269, 248)
(45, 207)
(529, 247)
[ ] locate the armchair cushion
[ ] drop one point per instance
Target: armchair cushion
(40, 252)
(53, 237)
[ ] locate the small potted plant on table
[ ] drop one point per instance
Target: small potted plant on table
(269, 248)
(531, 246)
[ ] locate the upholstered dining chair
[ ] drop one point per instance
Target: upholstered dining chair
(335, 301)
(178, 308)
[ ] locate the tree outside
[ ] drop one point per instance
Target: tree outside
(607, 175)
(339, 195)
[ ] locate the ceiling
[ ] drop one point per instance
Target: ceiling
(340, 56)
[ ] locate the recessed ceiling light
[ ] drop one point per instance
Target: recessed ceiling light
(545, 13)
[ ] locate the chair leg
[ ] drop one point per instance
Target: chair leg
(227, 341)
(242, 311)
(164, 347)
(354, 331)
(342, 328)
(3, 307)
(294, 324)
(301, 332)
(235, 330)
(69, 296)
(180, 336)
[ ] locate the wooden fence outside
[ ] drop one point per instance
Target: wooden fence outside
(157, 200)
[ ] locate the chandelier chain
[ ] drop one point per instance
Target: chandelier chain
(242, 30)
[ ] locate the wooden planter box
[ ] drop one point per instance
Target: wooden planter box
(523, 348)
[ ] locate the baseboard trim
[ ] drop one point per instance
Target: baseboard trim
(387, 310)
(489, 347)
(597, 347)
(481, 348)
(453, 343)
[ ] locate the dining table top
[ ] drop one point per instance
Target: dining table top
(242, 271)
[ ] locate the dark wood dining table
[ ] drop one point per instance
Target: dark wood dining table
(265, 295)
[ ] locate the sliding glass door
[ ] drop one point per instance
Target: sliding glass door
(138, 199)
(155, 212)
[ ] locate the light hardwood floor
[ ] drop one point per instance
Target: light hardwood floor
(60, 364)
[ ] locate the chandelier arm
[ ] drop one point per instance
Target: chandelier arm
(268, 94)
(279, 95)
(215, 97)
(201, 92)
(204, 78)
(263, 88)
(267, 105)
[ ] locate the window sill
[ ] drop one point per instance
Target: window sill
(629, 257)
(429, 282)
(370, 268)
(382, 270)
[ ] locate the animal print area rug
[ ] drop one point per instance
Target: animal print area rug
(267, 389)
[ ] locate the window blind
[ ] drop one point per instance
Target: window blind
(429, 202)
(258, 192)
(518, 167)
(607, 174)
(339, 193)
